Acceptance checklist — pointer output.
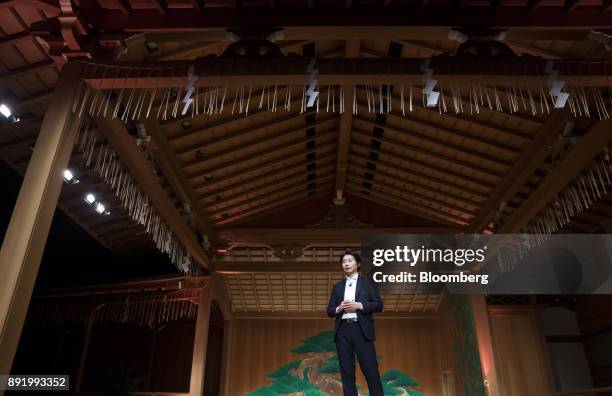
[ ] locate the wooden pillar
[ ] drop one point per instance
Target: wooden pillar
(485, 344)
(25, 238)
(200, 343)
(225, 362)
(76, 386)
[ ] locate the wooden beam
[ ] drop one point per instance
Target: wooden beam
(125, 6)
(294, 178)
(531, 158)
(264, 166)
(141, 170)
(410, 160)
(431, 154)
(322, 137)
(234, 268)
(228, 124)
(468, 137)
(290, 169)
(273, 207)
(282, 198)
(353, 50)
(531, 50)
(198, 5)
(280, 189)
(429, 140)
(581, 155)
(20, 71)
(369, 32)
(417, 199)
(347, 71)
(28, 229)
(15, 39)
(389, 178)
(48, 6)
(167, 161)
(264, 142)
(419, 179)
(263, 180)
(161, 6)
(416, 208)
(200, 342)
(320, 236)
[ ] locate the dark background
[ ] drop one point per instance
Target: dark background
(72, 257)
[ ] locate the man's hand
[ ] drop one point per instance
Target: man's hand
(349, 306)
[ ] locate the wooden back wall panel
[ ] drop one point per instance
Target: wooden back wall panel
(260, 346)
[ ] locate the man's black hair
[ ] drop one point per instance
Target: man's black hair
(353, 253)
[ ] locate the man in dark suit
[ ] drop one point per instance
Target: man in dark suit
(352, 302)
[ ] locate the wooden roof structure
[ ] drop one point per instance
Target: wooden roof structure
(265, 183)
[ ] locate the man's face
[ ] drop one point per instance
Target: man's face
(349, 264)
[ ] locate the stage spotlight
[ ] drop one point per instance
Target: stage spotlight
(5, 110)
(100, 208)
(90, 198)
(7, 113)
(69, 177)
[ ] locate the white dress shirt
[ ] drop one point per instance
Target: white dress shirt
(349, 294)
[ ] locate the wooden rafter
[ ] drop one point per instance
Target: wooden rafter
(133, 159)
(416, 184)
(265, 141)
(430, 140)
(279, 189)
(582, 154)
(49, 6)
(407, 207)
(320, 236)
(322, 157)
(265, 166)
(275, 206)
(588, 17)
(281, 181)
(402, 170)
(452, 162)
(167, 161)
(353, 50)
(524, 167)
(417, 163)
(477, 122)
(230, 122)
(20, 71)
(276, 153)
(416, 195)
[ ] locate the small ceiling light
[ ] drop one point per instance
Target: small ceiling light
(7, 113)
(5, 110)
(90, 198)
(100, 208)
(69, 177)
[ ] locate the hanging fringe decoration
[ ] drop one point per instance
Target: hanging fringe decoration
(150, 309)
(157, 100)
(578, 196)
(137, 205)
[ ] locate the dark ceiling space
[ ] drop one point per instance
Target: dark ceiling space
(72, 257)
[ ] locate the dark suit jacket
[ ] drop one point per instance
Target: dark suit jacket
(367, 295)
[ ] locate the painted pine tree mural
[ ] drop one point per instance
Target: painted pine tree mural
(317, 373)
